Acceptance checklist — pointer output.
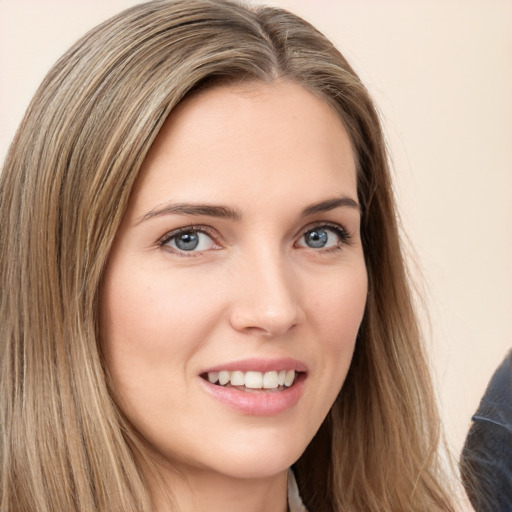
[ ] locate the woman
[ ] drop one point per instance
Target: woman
(202, 281)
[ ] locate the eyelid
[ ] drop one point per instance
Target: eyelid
(205, 230)
(343, 233)
(324, 224)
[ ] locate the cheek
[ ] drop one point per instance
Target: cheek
(152, 311)
(150, 331)
(337, 317)
(150, 335)
(339, 308)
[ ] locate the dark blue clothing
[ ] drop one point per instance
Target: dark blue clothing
(486, 462)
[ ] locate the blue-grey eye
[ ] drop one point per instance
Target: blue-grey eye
(321, 237)
(190, 241)
(187, 241)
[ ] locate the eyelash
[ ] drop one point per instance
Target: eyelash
(343, 235)
(162, 242)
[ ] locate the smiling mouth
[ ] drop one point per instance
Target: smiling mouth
(253, 380)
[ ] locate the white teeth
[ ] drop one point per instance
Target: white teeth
(270, 380)
(290, 377)
(237, 379)
(254, 380)
(224, 377)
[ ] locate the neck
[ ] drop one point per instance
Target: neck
(198, 490)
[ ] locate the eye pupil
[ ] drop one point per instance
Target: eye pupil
(187, 241)
(316, 238)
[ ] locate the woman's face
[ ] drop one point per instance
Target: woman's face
(236, 284)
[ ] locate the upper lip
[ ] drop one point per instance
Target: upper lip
(259, 365)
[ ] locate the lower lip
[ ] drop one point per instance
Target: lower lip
(258, 403)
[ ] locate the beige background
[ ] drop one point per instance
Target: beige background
(441, 72)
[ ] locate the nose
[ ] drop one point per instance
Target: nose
(267, 300)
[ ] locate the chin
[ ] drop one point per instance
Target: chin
(259, 461)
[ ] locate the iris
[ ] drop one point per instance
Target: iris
(316, 238)
(187, 241)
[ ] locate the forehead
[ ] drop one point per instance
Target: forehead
(268, 137)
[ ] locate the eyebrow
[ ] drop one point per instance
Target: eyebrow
(225, 212)
(331, 204)
(208, 210)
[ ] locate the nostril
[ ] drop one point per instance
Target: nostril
(261, 321)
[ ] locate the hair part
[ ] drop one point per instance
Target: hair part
(66, 182)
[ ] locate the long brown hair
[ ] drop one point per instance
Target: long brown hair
(64, 446)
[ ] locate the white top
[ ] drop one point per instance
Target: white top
(294, 500)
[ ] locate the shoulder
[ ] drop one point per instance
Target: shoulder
(486, 461)
(496, 404)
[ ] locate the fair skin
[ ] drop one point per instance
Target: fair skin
(239, 257)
